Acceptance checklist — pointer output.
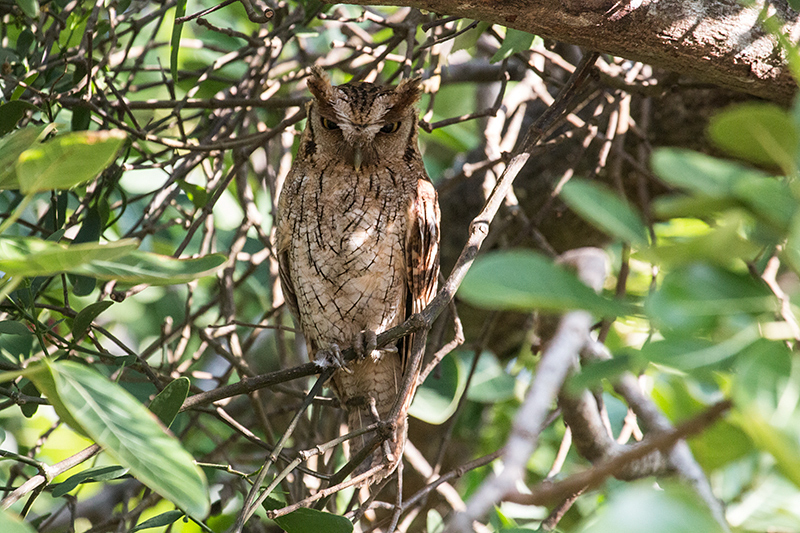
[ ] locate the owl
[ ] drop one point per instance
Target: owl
(357, 240)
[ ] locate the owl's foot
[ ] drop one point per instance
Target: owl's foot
(365, 344)
(331, 357)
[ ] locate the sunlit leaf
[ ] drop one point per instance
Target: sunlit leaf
(640, 506)
(153, 269)
(11, 523)
(774, 440)
(523, 280)
(693, 297)
(29, 256)
(11, 147)
(128, 432)
(437, 398)
(698, 172)
(514, 41)
(605, 210)
(67, 160)
(490, 383)
(760, 132)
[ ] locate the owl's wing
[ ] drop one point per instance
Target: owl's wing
(282, 242)
(422, 252)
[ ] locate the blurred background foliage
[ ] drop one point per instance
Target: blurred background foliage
(140, 165)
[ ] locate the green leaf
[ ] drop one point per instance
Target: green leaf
(693, 297)
(196, 194)
(29, 409)
(90, 475)
(769, 199)
(514, 41)
(29, 256)
(306, 520)
(152, 269)
(11, 523)
(67, 160)
(83, 320)
(698, 172)
(723, 245)
(167, 404)
(773, 440)
(175, 40)
(12, 327)
(760, 132)
(689, 353)
(491, 383)
(128, 432)
(164, 519)
(521, 280)
(640, 506)
(20, 90)
(29, 7)
(11, 113)
(605, 210)
(11, 147)
(437, 398)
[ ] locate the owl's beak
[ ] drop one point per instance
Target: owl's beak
(357, 157)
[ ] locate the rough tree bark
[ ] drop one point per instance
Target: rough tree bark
(720, 42)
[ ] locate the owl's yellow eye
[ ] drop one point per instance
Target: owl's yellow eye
(328, 124)
(390, 128)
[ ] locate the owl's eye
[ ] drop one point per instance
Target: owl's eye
(328, 124)
(390, 128)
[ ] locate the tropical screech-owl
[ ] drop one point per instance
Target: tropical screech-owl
(358, 243)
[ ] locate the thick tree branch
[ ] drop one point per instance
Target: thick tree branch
(718, 42)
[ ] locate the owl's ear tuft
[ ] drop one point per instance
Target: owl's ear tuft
(408, 92)
(320, 85)
(404, 96)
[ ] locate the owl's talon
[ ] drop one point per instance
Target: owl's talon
(332, 357)
(366, 342)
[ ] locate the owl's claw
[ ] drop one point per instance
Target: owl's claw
(331, 357)
(366, 342)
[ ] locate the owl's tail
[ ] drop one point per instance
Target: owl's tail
(368, 394)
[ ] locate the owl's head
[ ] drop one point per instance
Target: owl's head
(363, 123)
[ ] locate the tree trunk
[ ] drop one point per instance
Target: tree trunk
(721, 42)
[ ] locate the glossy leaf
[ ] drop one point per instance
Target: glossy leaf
(605, 210)
(698, 172)
(128, 432)
(774, 440)
(11, 147)
(693, 297)
(760, 132)
(522, 280)
(491, 383)
(83, 320)
(152, 269)
(640, 506)
(167, 404)
(514, 41)
(29, 256)
(90, 475)
(175, 39)
(29, 7)
(67, 160)
(11, 523)
(437, 398)
(164, 519)
(307, 520)
(12, 112)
